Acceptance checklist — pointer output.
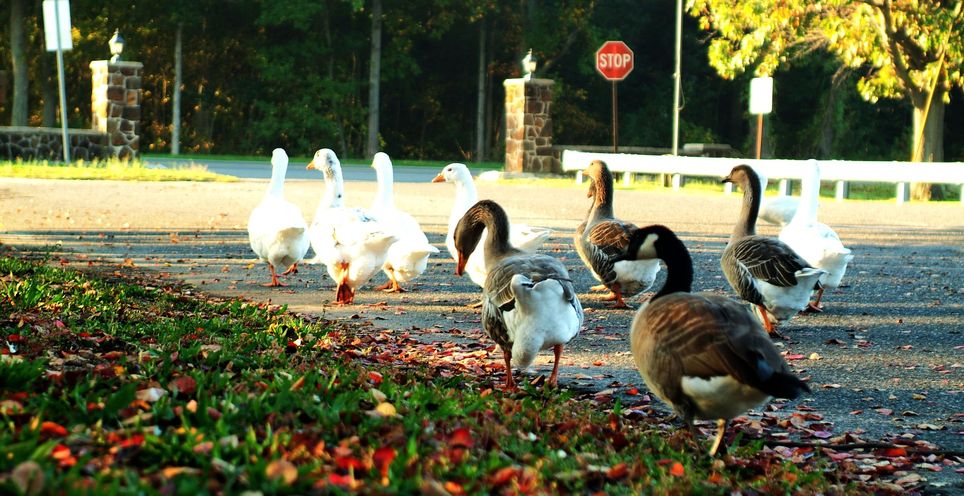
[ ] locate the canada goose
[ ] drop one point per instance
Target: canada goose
(704, 355)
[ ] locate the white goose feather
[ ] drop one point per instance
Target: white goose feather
(407, 257)
(277, 231)
(521, 236)
(351, 242)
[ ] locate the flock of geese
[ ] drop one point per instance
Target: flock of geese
(709, 357)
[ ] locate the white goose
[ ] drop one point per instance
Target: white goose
(521, 236)
(349, 241)
(776, 209)
(277, 231)
(408, 256)
(528, 302)
(816, 242)
(764, 271)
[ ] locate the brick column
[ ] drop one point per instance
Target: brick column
(528, 124)
(116, 105)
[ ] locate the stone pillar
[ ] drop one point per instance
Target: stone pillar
(528, 126)
(116, 105)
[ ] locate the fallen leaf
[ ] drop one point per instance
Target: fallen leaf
(151, 395)
(184, 384)
(283, 470)
(677, 470)
(28, 477)
(52, 429)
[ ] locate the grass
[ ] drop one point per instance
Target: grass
(116, 383)
(112, 169)
(435, 164)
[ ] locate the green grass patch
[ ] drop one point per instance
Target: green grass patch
(352, 161)
(113, 169)
(113, 382)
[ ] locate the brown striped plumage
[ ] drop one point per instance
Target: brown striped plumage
(763, 270)
(704, 355)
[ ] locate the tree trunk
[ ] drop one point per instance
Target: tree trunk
(928, 145)
(480, 95)
(374, 79)
(18, 60)
(176, 101)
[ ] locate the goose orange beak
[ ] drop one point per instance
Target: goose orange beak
(460, 265)
(311, 166)
(439, 178)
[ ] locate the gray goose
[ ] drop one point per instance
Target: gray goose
(764, 271)
(705, 355)
(602, 242)
(529, 303)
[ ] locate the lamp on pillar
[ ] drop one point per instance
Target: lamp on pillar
(116, 44)
(528, 65)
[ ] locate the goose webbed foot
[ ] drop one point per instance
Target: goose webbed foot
(275, 283)
(291, 270)
(599, 287)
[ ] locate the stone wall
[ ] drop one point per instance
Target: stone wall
(45, 143)
(116, 104)
(528, 123)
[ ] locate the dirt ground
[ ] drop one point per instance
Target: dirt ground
(885, 358)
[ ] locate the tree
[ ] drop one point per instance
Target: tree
(910, 50)
(374, 79)
(18, 59)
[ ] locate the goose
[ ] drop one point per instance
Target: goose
(704, 355)
(349, 241)
(816, 242)
(776, 210)
(277, 231)
(602, 238)
(523, 237)
(529, 303)
(764, 271)
(407, 257)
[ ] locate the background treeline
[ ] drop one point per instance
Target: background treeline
(258, 74)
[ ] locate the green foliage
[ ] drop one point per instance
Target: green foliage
(144, 388)
(113, 169)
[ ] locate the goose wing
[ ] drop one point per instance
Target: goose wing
(769, 259)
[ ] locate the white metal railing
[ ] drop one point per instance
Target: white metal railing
(901, 174)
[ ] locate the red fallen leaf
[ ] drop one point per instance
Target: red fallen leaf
(112, 355)
(184, 384)
(893, 452)
(63, 456)
(349, 462)
(795, 356)
(14, 338)
(375, 377)
(383, 458)
(677, 470)
(715, 478)
(884, 411)
(505, 475)
(632, 391)
(52, 429)
(454, 488)
(461, 437)
(617, 472)
(341, 480)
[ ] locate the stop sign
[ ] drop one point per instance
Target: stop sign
(614, 60)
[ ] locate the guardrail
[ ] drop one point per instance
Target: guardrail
(901, 174)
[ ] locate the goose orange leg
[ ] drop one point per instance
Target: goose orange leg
(274, 279)
(554, 376)
(392, 285)
(718, 440)
(509, 381)
(616, 294)
(291, 270)
(814, 306)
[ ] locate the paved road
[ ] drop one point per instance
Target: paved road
(296, 169)
(885, 357)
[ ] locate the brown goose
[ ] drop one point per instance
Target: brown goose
(528, 300)
(763, 270)
(704, 355)
(602, 239)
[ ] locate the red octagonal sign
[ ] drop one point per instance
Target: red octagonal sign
(614, 60)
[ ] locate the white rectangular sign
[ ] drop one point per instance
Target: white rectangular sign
(52, 28)
(761, 95)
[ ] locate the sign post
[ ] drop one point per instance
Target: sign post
(614, 60)
(57, 37)
(761, 102)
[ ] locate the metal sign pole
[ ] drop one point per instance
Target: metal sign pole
(759, 135)
(615, 120)
(63, 90)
